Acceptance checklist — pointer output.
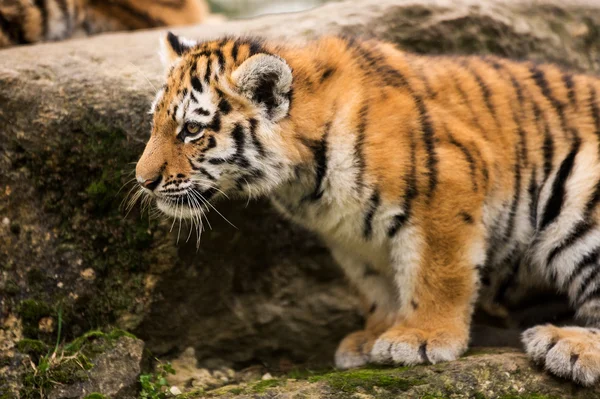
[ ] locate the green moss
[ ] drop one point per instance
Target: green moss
(95, 395)
(528, 396)
(350, 381)
(96, 189)
(262, 386)
(96, 341)
(31, 311)
(67, 364)
(32, 347)
(11, 288)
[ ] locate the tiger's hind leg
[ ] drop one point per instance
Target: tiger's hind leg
(566, 250)
(572, 352)
(568, 352)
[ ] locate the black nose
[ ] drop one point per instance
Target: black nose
(151, 184)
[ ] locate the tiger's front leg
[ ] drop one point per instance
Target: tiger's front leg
(437, 279)
(379, 303)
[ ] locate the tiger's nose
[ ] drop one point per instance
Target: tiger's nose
(150, 184)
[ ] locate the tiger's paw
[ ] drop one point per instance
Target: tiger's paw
(568, 352)
(411, 346)
(354, 350)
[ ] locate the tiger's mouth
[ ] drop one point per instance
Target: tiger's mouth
(187, 205)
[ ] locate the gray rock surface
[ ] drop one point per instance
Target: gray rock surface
(114, 373)
(73, 119)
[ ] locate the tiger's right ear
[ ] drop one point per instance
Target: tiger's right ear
(172, 47)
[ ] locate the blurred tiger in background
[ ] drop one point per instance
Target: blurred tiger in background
(32, 21)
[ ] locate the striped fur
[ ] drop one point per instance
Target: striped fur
(32, 21)
(438, 183)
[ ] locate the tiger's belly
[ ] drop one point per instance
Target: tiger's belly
(505, 280)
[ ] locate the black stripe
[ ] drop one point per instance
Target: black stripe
(520, 102)
(42, 6)
(255, 48)
(485, 91)
(582, 296)
(548, 144)
(595, 112)
(369, 271)
(548, 150)
(202, 111)
(260, 149)
(398, 222)
(484, 167)
(429, 141)
(466, 217)
(533, 198)
(240, 141)
(175, 43)
(208, 72)
(207, 174)
(146, 20)
(224, 106)
(468, 157)
(320, 156)
(540, 80)
(579, 231)
(374, 203)
(14, 30)
(374, 64)
(215, 124)
(590, 259)
(212, 143)
(359, 146)
(220, 58)
(410, 193)
(554, 205)
(514, 206)
(467, 101)
(567, 79)
(593, 202)
(248, 178)
(196, 84)
(327, 74)
(201, 170)
(234, 51)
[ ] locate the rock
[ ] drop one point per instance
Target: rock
(487, 373)
(114, 373)
(74, 119)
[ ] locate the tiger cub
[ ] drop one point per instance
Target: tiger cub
(437, 182)
(31, 21)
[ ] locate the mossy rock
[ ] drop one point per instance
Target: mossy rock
(492, 374)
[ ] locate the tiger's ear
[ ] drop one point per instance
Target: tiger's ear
(267, 81)
(172, 47)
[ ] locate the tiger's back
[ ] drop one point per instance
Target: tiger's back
(26, 21)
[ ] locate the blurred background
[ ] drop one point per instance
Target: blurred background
(252, 8)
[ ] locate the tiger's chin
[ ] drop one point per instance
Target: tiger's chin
(181, 211)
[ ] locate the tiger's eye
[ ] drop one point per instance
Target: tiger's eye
(192, 128)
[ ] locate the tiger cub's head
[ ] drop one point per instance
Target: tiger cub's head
(216, 124)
